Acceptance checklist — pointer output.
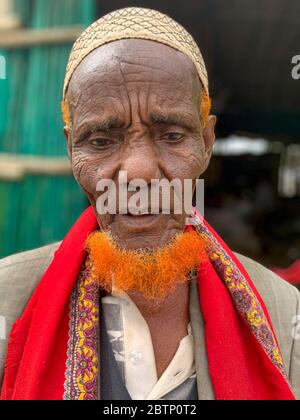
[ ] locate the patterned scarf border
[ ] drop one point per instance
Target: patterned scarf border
(243, 296)
(82, 356)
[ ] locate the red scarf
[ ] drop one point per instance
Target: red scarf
(243, 355)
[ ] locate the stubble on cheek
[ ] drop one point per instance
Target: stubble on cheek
(85, 171)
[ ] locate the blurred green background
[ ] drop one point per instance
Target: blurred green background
(37, 209)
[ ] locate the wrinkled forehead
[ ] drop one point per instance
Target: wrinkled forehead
(137, 61)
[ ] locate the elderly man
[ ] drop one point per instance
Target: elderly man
(135, 305)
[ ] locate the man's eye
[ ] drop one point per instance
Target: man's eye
(100, 143)
(173, 137)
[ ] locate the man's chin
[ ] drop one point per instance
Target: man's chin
(146, 240)
(145, 231)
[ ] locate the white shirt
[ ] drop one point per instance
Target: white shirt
(133, 349)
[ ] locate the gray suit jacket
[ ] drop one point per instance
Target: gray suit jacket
(20, 274)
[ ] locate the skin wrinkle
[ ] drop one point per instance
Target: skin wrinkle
(125, 86)
(139, 72)
(142, 148)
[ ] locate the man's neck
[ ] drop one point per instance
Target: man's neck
(167, 322)
(174, 305)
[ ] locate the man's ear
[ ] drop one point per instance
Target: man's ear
(209, 136)
(68, 136)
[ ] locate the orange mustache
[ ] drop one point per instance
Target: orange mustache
(155, 273)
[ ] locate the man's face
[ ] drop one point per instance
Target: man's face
(135, 108)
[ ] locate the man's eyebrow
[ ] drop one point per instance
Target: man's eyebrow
(173, 118)
(94, 127)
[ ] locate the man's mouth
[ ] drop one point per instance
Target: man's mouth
(138, 222)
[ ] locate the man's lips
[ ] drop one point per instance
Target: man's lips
(143, 221)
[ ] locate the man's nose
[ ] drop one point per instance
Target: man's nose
(141, 162)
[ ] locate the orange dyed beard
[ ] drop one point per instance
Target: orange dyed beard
(155, 274)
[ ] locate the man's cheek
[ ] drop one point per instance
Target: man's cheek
(191, 167)
(85, 172)
(196, 162)
(190, 161)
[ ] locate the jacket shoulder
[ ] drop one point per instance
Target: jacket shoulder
(273, 289)
(29, 257)
(19, 276)
(283, 304)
